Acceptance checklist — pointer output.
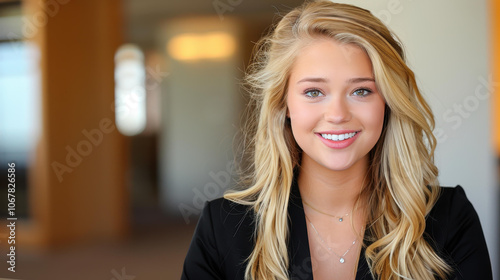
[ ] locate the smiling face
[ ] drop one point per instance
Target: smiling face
(335, 109)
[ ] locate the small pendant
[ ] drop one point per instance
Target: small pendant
(342, 260)
(341, 219)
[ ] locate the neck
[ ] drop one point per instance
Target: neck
(331, 191)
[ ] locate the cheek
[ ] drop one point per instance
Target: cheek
(301, 117)
(373, 117)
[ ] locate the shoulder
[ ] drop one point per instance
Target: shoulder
(221, 242)
(454, 230)
(450, 199)
(453, 206)
(227, 219)
(451, 196)
(225, 213)
(451, 211)
(232, 226)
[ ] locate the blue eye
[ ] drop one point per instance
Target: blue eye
(313, 93)
(362, 92)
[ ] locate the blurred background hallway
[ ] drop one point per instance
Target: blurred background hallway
(123, 116)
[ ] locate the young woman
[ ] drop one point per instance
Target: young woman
(342, 183)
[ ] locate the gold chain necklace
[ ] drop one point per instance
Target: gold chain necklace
(339, 218)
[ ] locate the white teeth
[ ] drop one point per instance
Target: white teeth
(338, 137)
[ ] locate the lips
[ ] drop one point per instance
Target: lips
(338, 139)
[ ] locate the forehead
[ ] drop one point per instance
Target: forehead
(326, 57)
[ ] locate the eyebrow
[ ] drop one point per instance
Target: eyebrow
(324, 80)
(313, 79)
(360, 80)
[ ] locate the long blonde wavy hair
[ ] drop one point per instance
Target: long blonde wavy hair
(403, 183)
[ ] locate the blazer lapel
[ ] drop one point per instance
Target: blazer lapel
(299, 254)
(363, 272)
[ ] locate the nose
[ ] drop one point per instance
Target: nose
(337, 110)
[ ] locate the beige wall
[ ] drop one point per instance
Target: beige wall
(201, 105)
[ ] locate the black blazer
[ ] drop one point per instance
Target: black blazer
(223, 240)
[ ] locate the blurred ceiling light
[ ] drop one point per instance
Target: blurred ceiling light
(192, 46)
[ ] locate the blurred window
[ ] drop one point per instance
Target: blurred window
(20, 117)
(130, 90)
(19, 101)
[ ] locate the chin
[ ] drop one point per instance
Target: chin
(338, 167)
